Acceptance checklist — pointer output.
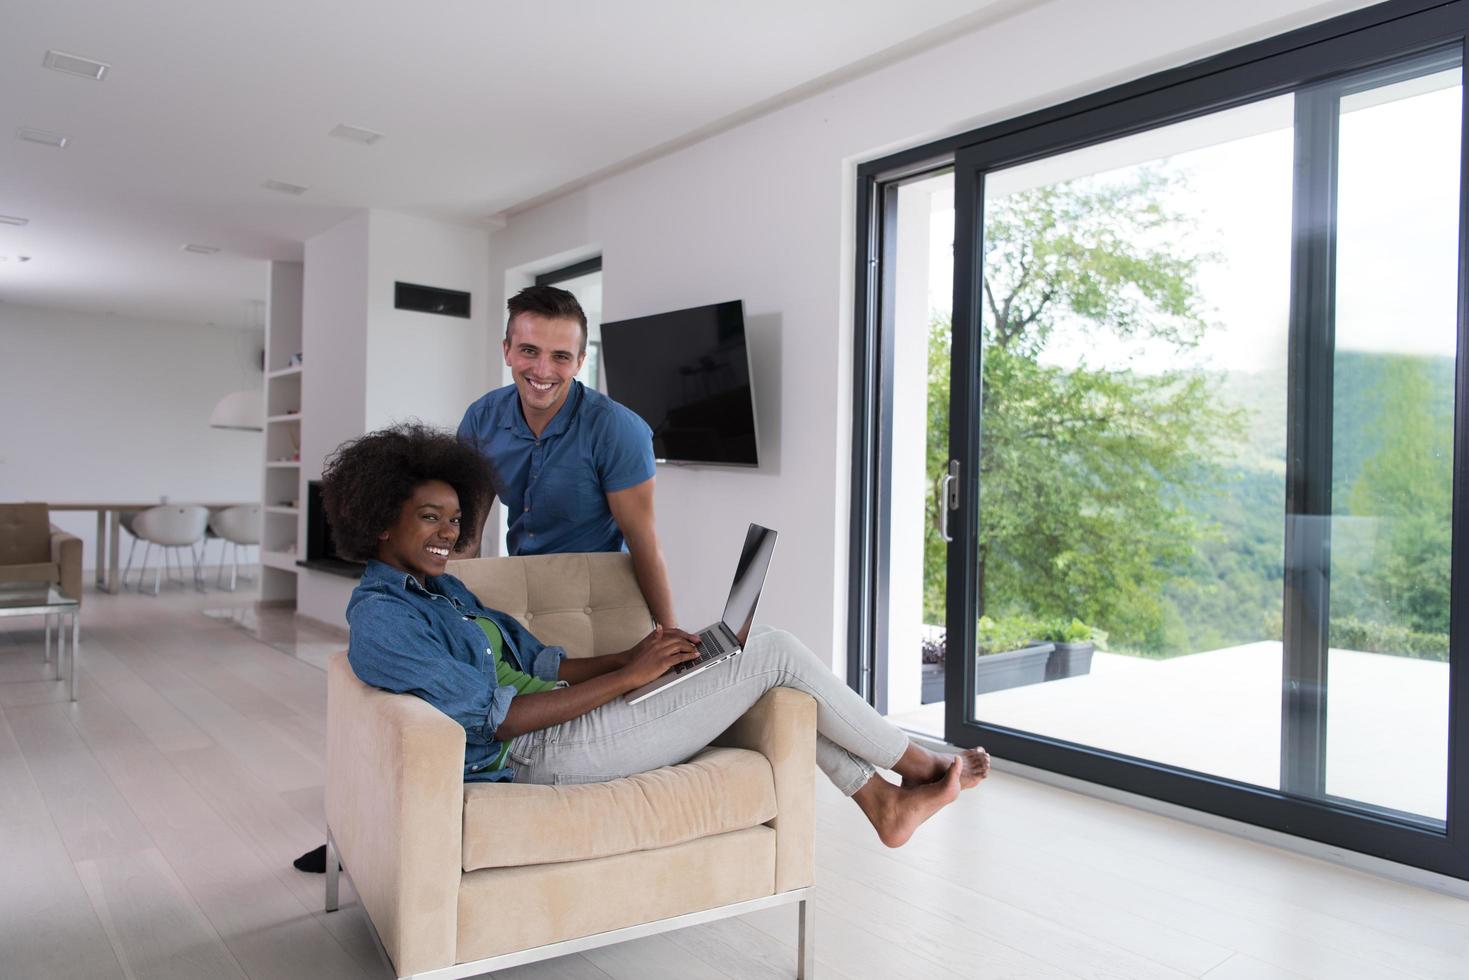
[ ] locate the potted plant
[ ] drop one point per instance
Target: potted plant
(935, 648)
(1009, 654)
(1074, 643)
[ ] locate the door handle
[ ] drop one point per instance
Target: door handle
(949, 490)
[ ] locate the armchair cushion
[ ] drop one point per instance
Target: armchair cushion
(39, 572)
(569, 899)
(588, 604)
(515, 824)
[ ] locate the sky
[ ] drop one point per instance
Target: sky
(1398, 194)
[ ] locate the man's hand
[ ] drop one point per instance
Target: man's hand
(658, 653)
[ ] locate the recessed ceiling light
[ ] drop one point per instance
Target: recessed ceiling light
(41, 136)
(355, 134)
(201, 249)
(74, 64)
(283, 187)
(6, 219)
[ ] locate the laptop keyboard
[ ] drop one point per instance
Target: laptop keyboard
(711, 644)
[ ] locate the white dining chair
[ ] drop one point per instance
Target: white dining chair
(238, 527)
(172, 527)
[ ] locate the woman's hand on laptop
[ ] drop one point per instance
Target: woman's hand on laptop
(658, 653)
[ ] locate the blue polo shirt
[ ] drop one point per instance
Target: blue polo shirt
(556, 487)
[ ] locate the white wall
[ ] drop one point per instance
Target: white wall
(422, 365)
(764, 213)
(112, 409)
(333, 380)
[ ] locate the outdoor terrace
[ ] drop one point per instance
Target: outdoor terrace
(1218, 712)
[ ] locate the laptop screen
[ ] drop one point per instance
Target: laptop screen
(749, 578)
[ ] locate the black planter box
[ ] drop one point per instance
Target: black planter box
(1069, 660)
(933, 683)
(1013, 668)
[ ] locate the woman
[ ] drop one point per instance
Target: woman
(397, 499)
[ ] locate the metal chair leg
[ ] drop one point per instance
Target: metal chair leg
(198, 572)
(158, 573)
(76, 640)
(142, 568)
(60, 645)
(806, 941)
(331, 873)
(227, 546)
(131, 548)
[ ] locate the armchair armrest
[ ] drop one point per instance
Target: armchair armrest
(782, 727)
(66, 555)
(395, 808)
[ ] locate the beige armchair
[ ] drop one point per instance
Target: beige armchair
(460, 879)
(32, 549)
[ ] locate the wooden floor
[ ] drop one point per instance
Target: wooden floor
(147, 831)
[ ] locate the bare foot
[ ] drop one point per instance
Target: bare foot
(919, 766)
(895, 813)
(976, 766)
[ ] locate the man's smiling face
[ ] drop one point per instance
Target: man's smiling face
(543, 356)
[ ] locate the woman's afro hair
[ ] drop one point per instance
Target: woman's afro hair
(367, 480)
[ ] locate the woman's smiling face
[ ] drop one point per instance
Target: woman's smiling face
(426, 531)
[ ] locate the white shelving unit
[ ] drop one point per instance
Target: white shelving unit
(283, 491)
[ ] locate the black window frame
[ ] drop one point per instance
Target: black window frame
(1292, 63)
(573, 271)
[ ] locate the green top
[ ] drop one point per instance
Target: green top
(507, 675)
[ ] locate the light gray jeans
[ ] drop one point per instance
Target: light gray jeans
(620, 739)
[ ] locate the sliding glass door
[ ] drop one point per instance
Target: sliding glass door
(1132, 443)
(1201, 398)
(1146, 479)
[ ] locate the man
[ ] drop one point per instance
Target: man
(573, 466)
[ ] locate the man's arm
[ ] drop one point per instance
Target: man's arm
(632, 509)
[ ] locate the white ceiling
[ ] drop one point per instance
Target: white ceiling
(485, 104)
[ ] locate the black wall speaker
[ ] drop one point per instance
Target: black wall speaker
(431, 299)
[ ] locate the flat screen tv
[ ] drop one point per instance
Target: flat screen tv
(687, 373)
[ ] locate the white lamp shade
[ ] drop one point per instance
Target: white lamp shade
(240, 410)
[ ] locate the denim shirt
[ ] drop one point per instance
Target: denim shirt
(414, 639)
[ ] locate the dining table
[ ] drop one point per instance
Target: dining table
(109, 524)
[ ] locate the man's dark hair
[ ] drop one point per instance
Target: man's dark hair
(549, 302)
(366, 481)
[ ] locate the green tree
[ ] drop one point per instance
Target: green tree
(1085, 473)
(1407, 486)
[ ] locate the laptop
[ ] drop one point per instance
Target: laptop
(727, 637)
